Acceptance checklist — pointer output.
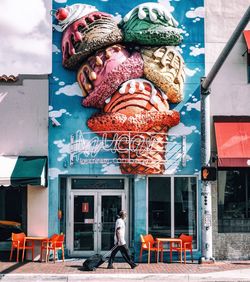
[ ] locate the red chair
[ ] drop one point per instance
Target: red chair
(149, 244)
(186, 246)
(45, 244)
(19, 243)
(54, 244)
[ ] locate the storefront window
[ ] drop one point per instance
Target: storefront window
(234, 201)
(13, 209)
(168, 217)
(159, 206)
(185, 207)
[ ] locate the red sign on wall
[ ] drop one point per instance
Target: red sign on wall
(85, 207)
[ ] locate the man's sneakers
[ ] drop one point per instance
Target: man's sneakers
(110, 267)
(134, 265)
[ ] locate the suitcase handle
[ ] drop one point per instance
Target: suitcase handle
(110, 251)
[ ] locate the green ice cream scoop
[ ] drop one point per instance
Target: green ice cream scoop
(151, 24)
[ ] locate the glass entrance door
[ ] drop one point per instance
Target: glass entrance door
(110, 207)
(84, 223)
(93, 217)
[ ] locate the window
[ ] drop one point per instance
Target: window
(13, 207)
(172, 206)
(159, 206)
(185, 206)
(90, 183)
(234, 201)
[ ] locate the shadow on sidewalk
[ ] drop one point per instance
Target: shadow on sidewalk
(12, 268)
(241, 263)
(78, 267)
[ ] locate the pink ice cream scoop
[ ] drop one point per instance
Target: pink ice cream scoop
(85, 30)
(101, 75)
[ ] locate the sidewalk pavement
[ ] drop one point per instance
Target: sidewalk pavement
(70, 270)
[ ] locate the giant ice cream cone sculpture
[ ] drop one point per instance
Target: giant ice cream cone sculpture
(140, 113)
(135, 112)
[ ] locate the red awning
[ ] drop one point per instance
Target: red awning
(246, 34)
(233, 144)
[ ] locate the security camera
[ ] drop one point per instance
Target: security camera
(55, 122)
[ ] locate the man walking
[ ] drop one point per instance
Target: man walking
(120, 242)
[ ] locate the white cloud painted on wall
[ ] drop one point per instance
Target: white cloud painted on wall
(166, 4)
(191, 72)
(55, 49)
(70, 90)
(111, 169)
(60, 1)
(199, 12)
(57, 114)
(57, 27)
(195, 106)
(196, 51)
(182, 129)
(64, 149)
(54, 172)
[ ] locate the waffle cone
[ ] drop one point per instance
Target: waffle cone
(142, 157)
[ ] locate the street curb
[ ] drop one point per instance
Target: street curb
(231, 275)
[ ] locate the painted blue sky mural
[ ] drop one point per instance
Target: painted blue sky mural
(69, 116)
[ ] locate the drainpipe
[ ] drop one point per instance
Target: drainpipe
(207, 250)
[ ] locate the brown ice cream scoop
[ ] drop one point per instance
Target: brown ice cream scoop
(164, 66)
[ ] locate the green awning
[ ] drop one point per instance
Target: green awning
(21, 171)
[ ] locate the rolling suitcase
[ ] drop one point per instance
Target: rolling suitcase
(96, 260)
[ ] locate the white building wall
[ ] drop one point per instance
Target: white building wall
(230, 95)
(230, 90)
(24, 117)
(24, 131)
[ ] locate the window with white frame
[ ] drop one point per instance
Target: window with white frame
(172, 207)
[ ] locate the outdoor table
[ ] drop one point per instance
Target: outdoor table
(34, 239)
(170, 241)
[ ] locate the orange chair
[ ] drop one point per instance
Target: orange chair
(18, 243)
(186, 246)
(45, 244)
(54, 244)
(149, 244)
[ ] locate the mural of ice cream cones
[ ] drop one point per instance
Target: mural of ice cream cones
(129, 71)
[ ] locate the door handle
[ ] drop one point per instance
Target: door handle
(94, 227)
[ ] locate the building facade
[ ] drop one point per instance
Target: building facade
(90, 180)
(23, 154)
(229, 105)
(87, 180)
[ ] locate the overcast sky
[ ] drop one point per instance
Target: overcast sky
(25, 36)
